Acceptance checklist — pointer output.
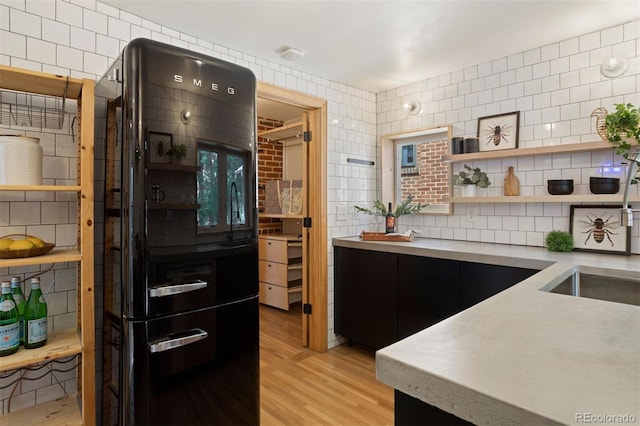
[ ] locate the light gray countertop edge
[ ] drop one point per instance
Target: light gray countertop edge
(523, 356)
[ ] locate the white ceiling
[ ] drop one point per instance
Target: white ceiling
(384, 44)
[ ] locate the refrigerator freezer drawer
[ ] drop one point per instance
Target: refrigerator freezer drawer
(200, 367)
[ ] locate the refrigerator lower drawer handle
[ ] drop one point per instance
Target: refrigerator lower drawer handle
(168, 343)
(170, 290)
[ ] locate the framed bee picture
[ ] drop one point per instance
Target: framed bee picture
(498, 132)
(597, 229)
(159, 145)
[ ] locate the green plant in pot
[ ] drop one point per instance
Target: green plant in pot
(559, 241)
(622, 130)
(178, 152)
(405, 207)
(470, 178)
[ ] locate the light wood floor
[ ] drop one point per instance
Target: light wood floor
(302, 387)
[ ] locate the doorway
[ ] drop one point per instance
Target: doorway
(286, 106)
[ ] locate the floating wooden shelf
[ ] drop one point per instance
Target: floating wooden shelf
(63, 411)
(578, 198)
(524, 152)
(61, 344)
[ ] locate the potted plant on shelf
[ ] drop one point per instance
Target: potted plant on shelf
(471, 178)
(622, 130)
(178, 152)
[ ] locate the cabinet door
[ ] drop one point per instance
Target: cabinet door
(428, 292)
(366, 295)
(479, 281)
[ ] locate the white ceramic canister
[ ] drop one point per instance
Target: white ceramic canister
(20, 160)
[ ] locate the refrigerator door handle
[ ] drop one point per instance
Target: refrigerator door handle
(170, 290)
(177, 340)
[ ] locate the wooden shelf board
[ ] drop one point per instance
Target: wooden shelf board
(523, 152)
(280, 216)
(57, 188)
(64, 343)
(37, 82)
(54, 256)
(283, 132)
(63, 411)
(578, 198)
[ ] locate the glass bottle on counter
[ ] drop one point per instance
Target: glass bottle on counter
(19, 299)
(35, 318)
(390, 221)
(9, 322)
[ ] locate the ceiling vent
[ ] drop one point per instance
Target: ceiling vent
(290, 53)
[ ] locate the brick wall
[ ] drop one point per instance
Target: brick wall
(431, 183)
(269, 168)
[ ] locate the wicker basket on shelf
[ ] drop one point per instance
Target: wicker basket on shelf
(35, 251)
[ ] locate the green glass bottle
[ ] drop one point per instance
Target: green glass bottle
(18, 297)
(9, 322)
(35, 318)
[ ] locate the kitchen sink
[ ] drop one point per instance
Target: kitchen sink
(601, 287)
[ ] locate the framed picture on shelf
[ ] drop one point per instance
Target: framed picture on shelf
(159, 145)
(498, 132)
(597, 229)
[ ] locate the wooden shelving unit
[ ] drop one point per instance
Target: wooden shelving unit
(80, 340)
(284, 132)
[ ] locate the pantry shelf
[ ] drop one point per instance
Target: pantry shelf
(61, 344)
(63, 411)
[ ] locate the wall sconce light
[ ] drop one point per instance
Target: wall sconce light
(413, 107)
(185, 117)
(614, 67)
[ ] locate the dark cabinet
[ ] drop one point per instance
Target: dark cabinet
(428, 292)
(366, 302)
(479, 281)
(383, 297)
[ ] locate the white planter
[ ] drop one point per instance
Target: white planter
(20, 160)
(468, 190)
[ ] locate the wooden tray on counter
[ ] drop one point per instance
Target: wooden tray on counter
(381, 236)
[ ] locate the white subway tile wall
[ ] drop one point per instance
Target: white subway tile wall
(555, 87)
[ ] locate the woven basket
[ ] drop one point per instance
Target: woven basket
(36, 251)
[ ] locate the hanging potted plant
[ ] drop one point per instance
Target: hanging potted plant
(622, 130)
(469, 179)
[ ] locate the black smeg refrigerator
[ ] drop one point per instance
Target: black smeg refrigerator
(188, 291)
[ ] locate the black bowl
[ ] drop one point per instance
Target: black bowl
(604, 185)
(560, 186)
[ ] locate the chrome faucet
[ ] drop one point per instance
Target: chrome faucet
(626, 214)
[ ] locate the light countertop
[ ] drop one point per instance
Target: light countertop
(523, 356)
